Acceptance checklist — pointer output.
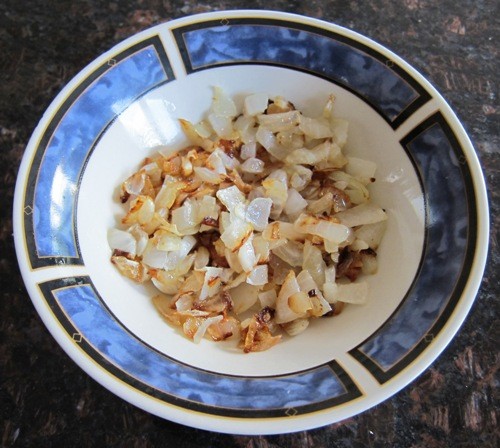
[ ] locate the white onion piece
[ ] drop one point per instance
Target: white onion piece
(223, 105)
(229, 162)
(233, 261)
(330, 292)
(337, 233)
(300, 177)
(296, 327)
(202, 258)
(288, 231)
(246, 255)
(371, 233)
(283, 121)
(358, 245)
(361, 169)
(167, 241)
(258, 276)
(314, 263)
(315, 127)
(175, 258)
(322, 205)
(244, 125)
(261, 247)
(309, 156)
(141, 238)
(202, 329)
(168, 282)
(339, 128)
(255, 104)
(248, 150)
(295, 203)
(214, 163)
(308, 285)
(168, 193)
(361, 214)
(236, 234)
(211, 283)
(223, 126)
(277, 191)
(280, 269)
(185, 217)
(244, 297)
(184, 302)
(192, 134)
(283, 311)
(207, 175)
(253, 166)
(353, 293)
(153, 257)
(131, 268)
(291, 252)
(231, 197)
(208, 208)
(268, 140)
(123, 241)
(370, 263)
(268, 298)
(257, 213)
(203, 129)
(135, 183)
(141, 211)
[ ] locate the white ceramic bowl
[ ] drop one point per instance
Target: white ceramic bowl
(127, 102)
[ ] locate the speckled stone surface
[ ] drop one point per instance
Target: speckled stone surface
(46, 400)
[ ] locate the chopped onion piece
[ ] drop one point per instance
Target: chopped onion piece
(257, 213)
(223, 126)
(246, 255)
(122, 241)
(295, 203)
(231, 197)
(279, 122)
(212, 282)
(222, 105)
(314, 263)
(316, 127)
(258, 276)
(214, 163)
(353, 293)
(253, 165)
(291, 252)
(236, 234)
(200, 332)
(248, 150)
(244, 297)
(202, 258)
(284, 313)
(268, 140)
(255, 104)
(324, 227)
(296, 327)
(361, 214)
(371, 233)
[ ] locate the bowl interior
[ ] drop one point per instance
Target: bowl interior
(151, 123)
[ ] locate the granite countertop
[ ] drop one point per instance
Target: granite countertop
(47, 400)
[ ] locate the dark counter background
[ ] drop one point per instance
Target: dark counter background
(46, 400)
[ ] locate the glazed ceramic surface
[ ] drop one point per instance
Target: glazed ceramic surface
(125, 106)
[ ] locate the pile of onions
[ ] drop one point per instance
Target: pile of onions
(257, 227)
